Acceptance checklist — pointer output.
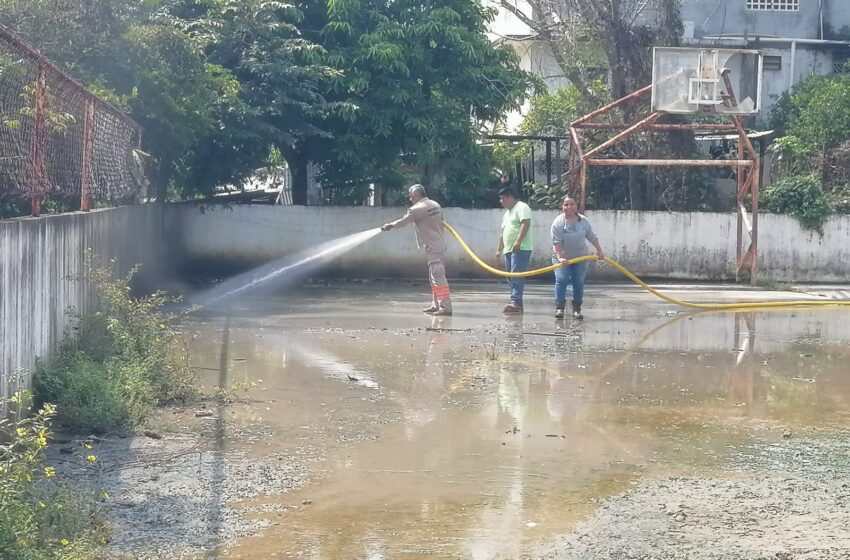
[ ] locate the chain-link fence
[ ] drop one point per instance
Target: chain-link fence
(57, 139)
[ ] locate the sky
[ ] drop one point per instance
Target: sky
(506, 23)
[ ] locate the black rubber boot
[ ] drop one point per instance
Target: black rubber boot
(577, 310)
(559, 309)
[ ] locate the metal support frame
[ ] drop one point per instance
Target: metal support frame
(747, 165)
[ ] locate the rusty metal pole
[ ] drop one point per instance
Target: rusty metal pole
(633, 129)
(576, 163)
(746, 163)
(754, 195)
(739, 236)
(38, 146)
(748, 186)
(657, 127)
(582, 177)
(602, 110)
(88, 152)
(740, 255)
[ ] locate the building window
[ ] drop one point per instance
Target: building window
(772, 63)
(774, 5)
(840, 63)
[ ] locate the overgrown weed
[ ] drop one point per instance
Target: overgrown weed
(40, 519)
(117, 361)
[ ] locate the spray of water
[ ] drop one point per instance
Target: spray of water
(287, 269)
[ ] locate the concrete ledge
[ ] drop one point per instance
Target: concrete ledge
(698, 246)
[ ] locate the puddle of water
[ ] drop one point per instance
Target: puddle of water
(479, 437)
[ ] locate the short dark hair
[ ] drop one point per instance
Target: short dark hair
(508, 191)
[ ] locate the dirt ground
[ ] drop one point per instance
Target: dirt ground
(357, 427)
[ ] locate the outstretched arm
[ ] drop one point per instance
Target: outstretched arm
(403, 221)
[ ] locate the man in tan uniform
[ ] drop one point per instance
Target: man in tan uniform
(427, 216)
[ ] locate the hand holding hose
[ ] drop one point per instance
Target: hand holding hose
(387, 226)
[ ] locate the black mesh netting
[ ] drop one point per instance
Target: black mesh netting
(56, 138)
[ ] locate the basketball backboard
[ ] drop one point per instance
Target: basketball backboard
(700, 80)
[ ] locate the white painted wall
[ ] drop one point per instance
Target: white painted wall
(654, 244)
(37, 258)
(38, 255)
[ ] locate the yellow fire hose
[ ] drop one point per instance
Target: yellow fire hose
(641, 283)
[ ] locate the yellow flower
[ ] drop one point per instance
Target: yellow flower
(48, 409)
(64, 542)
(87, 445)
(42, 505)
(91, 459)
(49, 472)
(21, 432)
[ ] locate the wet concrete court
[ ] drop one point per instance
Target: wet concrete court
(485, 436)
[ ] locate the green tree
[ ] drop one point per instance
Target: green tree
(816, 113)
(420, 77)
(813, 121)
(277, 97)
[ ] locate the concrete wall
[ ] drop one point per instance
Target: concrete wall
(654, 244)
(730, 17)
(37, 257)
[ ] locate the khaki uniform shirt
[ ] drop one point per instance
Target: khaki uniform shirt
(428, 219)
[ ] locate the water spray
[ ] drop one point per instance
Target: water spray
(284, 270)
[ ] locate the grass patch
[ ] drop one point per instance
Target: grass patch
(776, 285)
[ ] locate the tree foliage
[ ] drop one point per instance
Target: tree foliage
(418, 77)
(816, 113)
(372, 91)
(275, 96)
(813, 121)
(803, 197)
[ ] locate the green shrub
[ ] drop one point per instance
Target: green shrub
(87, 393)
(801, 196)
(117, 362)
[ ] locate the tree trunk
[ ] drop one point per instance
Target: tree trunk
(160, 175)
(635, 190)
(298, 163)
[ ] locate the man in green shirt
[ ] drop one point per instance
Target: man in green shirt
(515, 244)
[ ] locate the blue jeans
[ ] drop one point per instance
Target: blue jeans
(573, 274)
(517, 261)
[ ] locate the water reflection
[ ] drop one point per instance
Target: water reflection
(482, 450)
(422, 402)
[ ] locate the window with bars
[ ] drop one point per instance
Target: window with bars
(840, 63)
(774, 5)
(772, 62)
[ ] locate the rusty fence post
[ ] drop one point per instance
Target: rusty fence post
(37, 147)
(88, 151)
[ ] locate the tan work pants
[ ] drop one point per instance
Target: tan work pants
(439, 284)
